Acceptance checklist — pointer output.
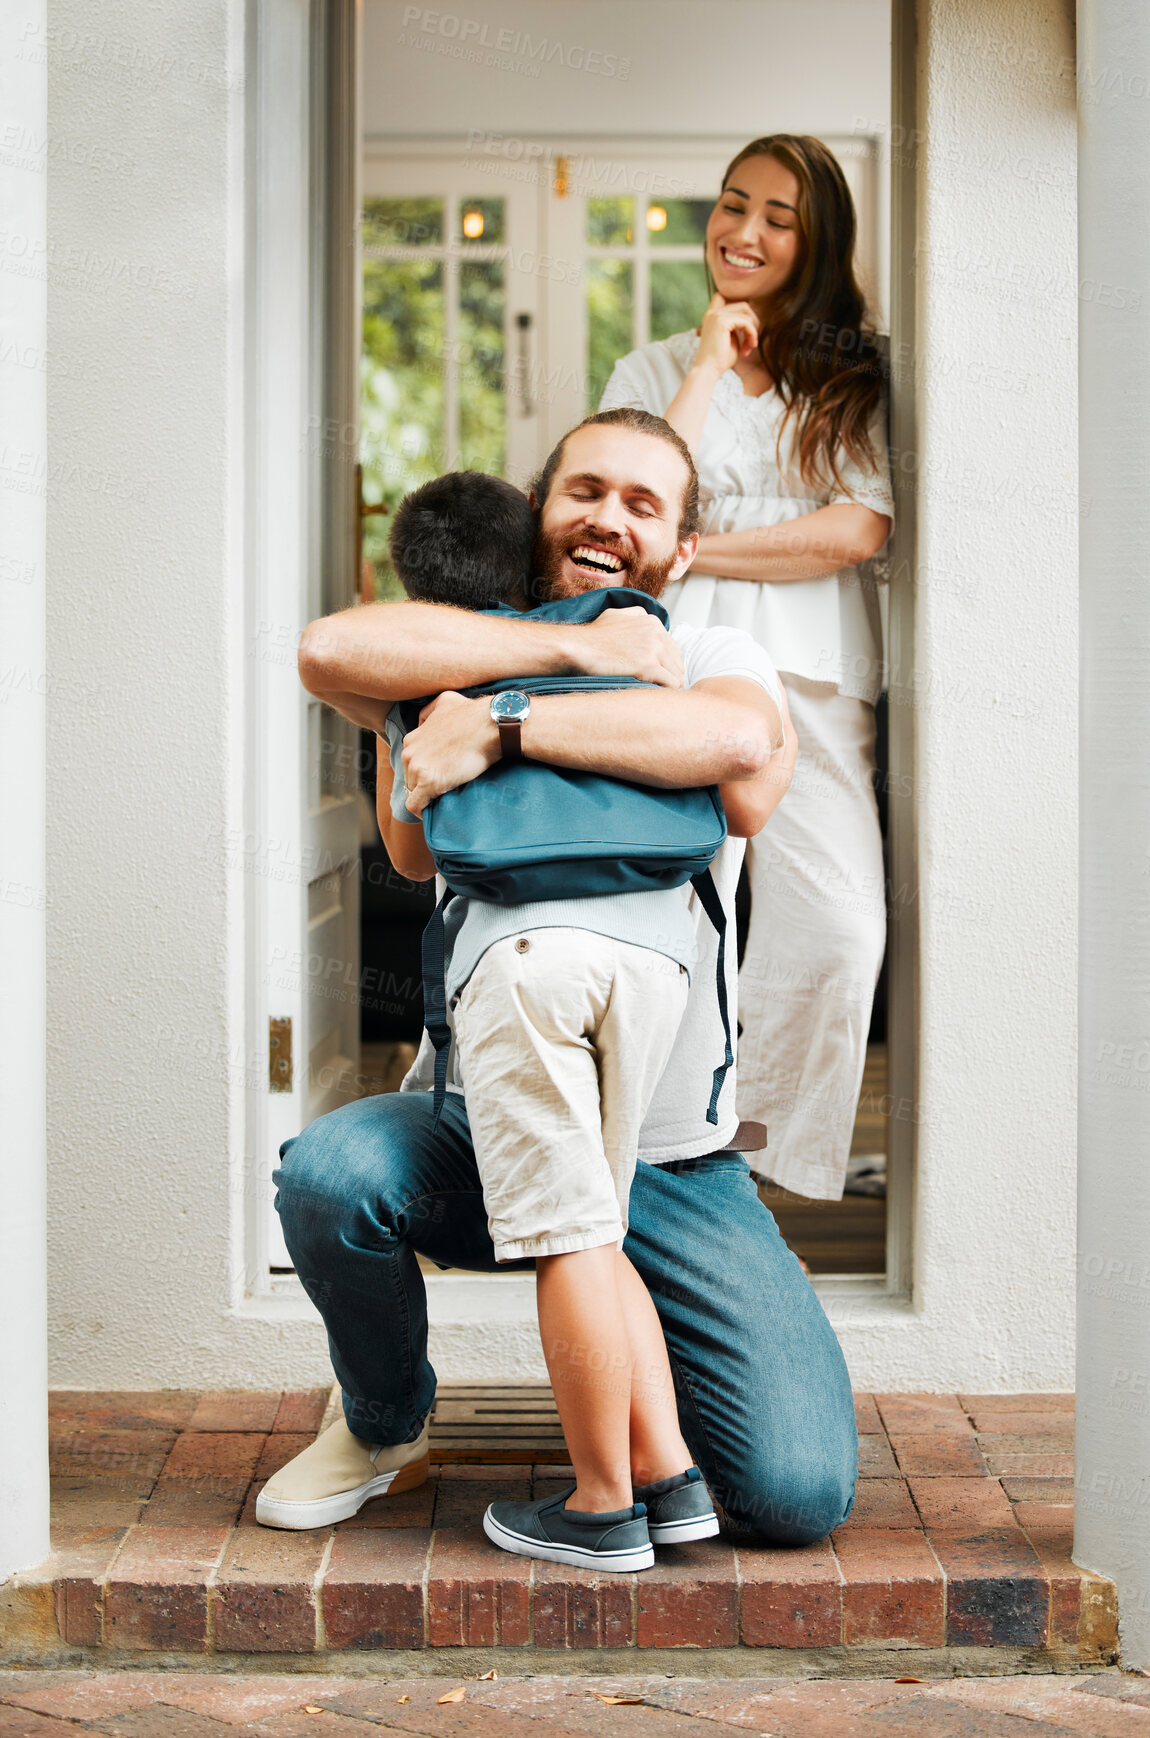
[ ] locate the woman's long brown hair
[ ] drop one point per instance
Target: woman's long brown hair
(816, 343)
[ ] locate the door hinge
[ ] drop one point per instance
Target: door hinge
(279, 1056)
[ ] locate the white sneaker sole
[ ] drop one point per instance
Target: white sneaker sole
(326, 1511)
(619, 1562)
(682, 1532)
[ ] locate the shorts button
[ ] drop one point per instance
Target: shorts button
(522, 944)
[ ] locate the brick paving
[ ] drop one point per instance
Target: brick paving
(149, 1704)
(960, 1537)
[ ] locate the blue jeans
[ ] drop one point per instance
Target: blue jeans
(764, 1398)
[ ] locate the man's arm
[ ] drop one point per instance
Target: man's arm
(382, 652)
(750, 803)
(720, 731)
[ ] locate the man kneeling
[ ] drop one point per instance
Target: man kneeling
(762, 1395)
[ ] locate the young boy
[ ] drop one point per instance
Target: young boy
(565, 1013)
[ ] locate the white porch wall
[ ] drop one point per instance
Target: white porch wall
(666, 66)
(146, 641)
(995, 676)
(144, 588)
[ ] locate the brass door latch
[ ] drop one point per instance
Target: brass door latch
(279, 1055)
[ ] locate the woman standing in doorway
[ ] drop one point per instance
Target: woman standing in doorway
(779, 395)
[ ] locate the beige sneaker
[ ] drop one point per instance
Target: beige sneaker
(336, 1475)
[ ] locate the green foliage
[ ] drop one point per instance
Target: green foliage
(402, 389)
(609, 292)
(610, 222)
(403, 403)
(402, 223)
(479, 364)
(678, 296)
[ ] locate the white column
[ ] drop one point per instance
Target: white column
(1112, 1514)
(23, 478)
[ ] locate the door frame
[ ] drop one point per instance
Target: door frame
(279, 349)
(579, 157)
(299, 468)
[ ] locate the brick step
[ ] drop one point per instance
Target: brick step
(959, 1540)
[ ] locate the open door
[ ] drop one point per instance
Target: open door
(301, 840)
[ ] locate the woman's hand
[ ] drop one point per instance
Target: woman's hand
(729, 330)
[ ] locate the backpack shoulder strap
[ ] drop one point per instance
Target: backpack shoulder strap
(704, 886)
(435, 1002)
(586, 606)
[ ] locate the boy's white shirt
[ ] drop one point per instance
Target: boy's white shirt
(675, 1126)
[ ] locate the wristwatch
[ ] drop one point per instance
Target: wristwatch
(510, 711)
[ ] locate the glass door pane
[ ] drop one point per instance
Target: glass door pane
(434, 338)
(402, 405)
(610, 317)
(678, 291)
(643, 277)
(678, 280)
(678, 222)
(482, 442)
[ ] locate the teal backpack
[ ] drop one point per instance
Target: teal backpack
(525, 831)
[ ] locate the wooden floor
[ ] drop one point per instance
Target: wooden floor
(847, 1236)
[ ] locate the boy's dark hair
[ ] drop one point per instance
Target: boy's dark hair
(643, 422)
(465, 539)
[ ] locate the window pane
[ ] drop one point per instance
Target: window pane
(610, 222)
(677, 222)
(678, 296)
(479, 220)
(402, 223)
(479, 361)
(609, 297)
(402, 398)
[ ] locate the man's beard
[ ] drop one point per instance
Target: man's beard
(551, 582)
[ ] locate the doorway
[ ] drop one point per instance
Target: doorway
(497, 296)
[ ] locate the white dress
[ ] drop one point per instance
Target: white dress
(818, 919)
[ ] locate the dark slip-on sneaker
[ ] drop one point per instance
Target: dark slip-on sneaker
(679, 1509)
(617, 1540)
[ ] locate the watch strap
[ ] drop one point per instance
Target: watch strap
(511, 739)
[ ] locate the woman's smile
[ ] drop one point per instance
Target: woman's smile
(741, 262)
(753, 234)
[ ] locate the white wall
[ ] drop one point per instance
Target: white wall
(145, 587)
(626, 66)
(148, 655)
(995, 676)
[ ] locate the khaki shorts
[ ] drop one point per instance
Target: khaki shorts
(562, 1036)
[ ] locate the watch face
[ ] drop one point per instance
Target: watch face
(511, 706)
